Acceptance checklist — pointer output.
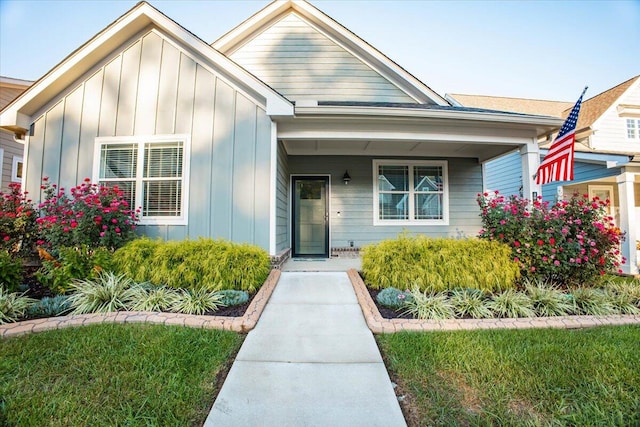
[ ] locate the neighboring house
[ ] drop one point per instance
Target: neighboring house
(607, 157)
(289, 132)
(11, 151)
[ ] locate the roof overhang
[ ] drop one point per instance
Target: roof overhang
(241, 34)
(17, 116)
(359, 130)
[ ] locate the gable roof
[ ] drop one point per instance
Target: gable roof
(516, 105)
(595, 107)
(16, 117)
(254, 25)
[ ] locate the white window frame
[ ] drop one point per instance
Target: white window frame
(14, 169)
(636, 129)
(140, 141)
(411, 221)
(593, 189)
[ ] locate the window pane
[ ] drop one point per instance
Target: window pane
(162, 198)
(393, 178)
(128, 189)
(428, 206)
(163, 160)
(118, 161)
(393, 206)
(427, 178)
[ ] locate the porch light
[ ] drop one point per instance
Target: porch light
(346, 178)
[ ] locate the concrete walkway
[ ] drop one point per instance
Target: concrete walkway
(310, 361)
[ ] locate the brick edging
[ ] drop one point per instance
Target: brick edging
(379, 325)
(237, 324)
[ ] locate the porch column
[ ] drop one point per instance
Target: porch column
(530, 155)
(628, 221)
(273, 185)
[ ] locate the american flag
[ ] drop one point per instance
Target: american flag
(558, 163)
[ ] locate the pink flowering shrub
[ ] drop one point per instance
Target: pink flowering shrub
(91, 215)
(17, 221)
(572, 241)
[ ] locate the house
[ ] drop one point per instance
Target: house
(11, 151)
(607, 157)
(289, 132)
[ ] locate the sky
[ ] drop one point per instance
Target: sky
(529, 49)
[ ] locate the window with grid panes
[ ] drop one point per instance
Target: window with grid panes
(410, 192)
(633, 128)
(151, 172)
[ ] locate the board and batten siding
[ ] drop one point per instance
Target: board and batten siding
(611, 129)
(154, 87)
(504, 174)
(9, 149)
(354, 201)
(302, 63)
(282, 200)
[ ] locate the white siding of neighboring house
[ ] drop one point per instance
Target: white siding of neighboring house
(8, 146)
(153, 87)
(611, 128)
(302, 63)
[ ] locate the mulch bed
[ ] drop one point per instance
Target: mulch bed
(37, 290)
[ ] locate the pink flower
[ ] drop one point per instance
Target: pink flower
(114, 221)
(117, 229)
(556, 262)
(102, 234)
(6, 238)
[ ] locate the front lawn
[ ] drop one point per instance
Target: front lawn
(112, 374)
(518, 377)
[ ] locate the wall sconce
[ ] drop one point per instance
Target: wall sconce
(346, 178)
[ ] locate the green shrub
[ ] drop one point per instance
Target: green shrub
(13, 306)
(192, 264)
(470, 303)
(595, 302)
(547, 300)
(393, 298)
(50, 307)
(196, 301)
(429, 305)
(628, 289)
(153, 298)
(10, 272)
(73, 263)
(439, 264)
(511, 303)
(231, 297)
(107, 293)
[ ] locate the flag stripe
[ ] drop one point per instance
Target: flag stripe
(557, 165)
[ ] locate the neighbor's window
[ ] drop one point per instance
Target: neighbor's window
(410, 192)
(633, 128)
(16, 169)
(151, 172)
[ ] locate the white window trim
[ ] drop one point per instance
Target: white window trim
(14, 169)
(636, 129)
(592, 193)
(400, 162)
(140, 140)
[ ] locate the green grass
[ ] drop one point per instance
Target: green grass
(524, 377)
(112, 375)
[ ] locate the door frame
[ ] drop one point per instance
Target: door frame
(292, 182)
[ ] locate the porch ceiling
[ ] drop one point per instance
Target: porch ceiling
(383, 136)
(409, 148)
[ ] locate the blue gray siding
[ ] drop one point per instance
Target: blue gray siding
(282, 200)
(504, 174)
(301, 62)
(153, 87)
(355, 200)
(582, 172)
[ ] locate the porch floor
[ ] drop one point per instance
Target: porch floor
(322, 264)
